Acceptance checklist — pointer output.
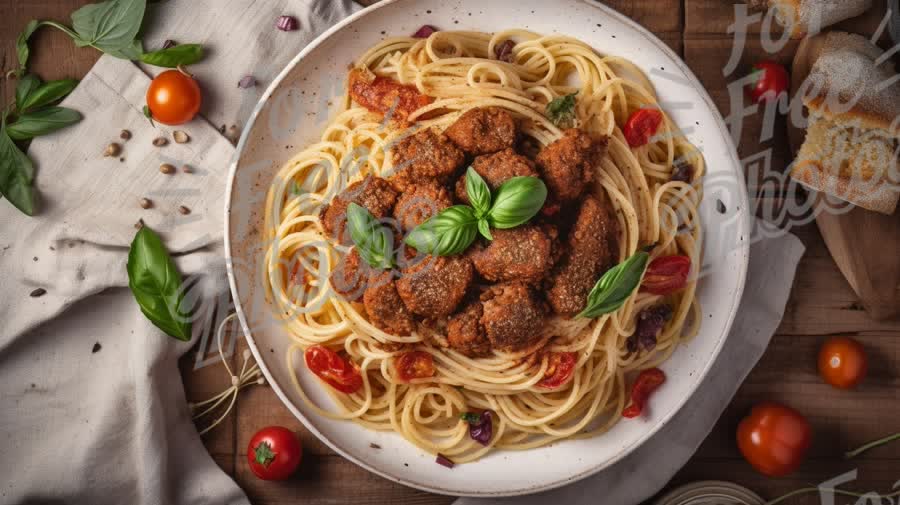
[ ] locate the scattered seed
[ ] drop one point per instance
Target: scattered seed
(248, 81)
(121, 160)
(125, 135)
(96, 348)
(233, 134)
(139, 224)
(168, 43)
(720, 206)
(187, 169)
(184, 210)
(112, 150)
(181, 137)
(38, 292)
(167, 168)
(160, 141)
(146, 203)
(287, 23)
(374, 446)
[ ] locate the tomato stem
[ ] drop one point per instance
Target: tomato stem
(871, 445)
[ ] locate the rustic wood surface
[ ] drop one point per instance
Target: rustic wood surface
(822, 304)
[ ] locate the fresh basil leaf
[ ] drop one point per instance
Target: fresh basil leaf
(16, 174)
(478, 192)
(22, 50)
(131, 52)
(448, 233)
(561, 111)
(485, 229)
(516, 201)
(47, 94)
(156, 284)
(41, 122)
(25, 88)
(373, 241)
(109, 26)
(182, 54)
(615, 286)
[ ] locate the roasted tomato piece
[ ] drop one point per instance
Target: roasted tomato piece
(666, 274)
(560, 368)
(647, 382)
(334, 370)
(414, 365)
(382, 94)
(642, 126)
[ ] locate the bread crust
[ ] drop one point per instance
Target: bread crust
(804, 17)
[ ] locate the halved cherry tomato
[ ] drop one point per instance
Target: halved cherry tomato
(771, 80)
(174, 97)
(414, 365)
(560, 367)
(334, 370)
(641, 126)
(647, 382)
(666, 274)
(774, 439)
(843, 362)
(382, 94)
(274, 453)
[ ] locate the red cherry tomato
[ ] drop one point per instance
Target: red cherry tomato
(647, 382)
(666, 274)
(774, 439)
(770, 81)
(843, 362)
(641, 126)
(274, 453)
(334, 370)
(414, 365)
(174, 97)
(560, 367)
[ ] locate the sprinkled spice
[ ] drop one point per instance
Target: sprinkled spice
(38, 292)
(424, 32)
(125, 135)
(160, 141)
(287, 23)
(248, 81)
(374, 446)
(167, 169)
(139, 224)
(184, 210)
(146, 203)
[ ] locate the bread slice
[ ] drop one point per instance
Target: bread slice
(802, 17)
(851, 148)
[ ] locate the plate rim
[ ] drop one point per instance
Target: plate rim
(743, 215)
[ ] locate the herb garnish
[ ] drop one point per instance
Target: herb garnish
(374, 241)
(615, 286)
(561, 111)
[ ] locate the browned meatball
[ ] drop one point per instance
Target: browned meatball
(484, 130)
(435, 286)
(591, 251)
(466, 334)
(420, 202)
(496, 169)
(513, 316)
(524, 253)
(384, 306)
(374, 193)
(351, 276)
(425, 155)
(568, 164)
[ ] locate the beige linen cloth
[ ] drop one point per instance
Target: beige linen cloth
(92, 408)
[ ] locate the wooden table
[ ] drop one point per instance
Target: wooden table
(821, 305)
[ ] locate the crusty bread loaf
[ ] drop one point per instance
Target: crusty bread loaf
(851, 147)
(802, 17)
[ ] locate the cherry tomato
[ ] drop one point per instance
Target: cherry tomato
(174, 97)
(274, 453)
(560, 367)
(647, 382)
(334, 370)
(641, 126)
(774, 439)
(666, 274)
(843, 362)
(770, 81)
(414, 365)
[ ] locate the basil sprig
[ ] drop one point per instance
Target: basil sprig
(374, 241)
(615, 286)
(156, 284)
(561, 111)
(182, 54)
(454, 229)
(16, 174)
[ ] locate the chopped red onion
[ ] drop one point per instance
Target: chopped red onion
(424, 32)
(287, 23)
(503, 50)
(248, 81)
(444, 461)
(481, 426)
(650, 322)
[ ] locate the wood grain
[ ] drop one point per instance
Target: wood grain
(822, 304)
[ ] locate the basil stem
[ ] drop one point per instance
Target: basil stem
(615, 286)
(373, 241)
(450, 232)
(516, 201)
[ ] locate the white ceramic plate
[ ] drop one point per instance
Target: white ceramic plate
(293, 113)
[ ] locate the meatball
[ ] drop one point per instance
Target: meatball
(513, 316)
(484, 130)
(568, 164)
(351, 276)
(465, 332)
(524, 253)
(496, 169)
(384, 306)
(425, 155)
(434, 287)
(420, 202)
(374, 193)
(591, 251)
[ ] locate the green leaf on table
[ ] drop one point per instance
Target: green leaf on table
(16, 174)
(46, 94)
(516, 201)
(156, 284)
(26, 86)
(109, 26)
(615, 286)
(130, 52)
(22, 51)
(41, 122)
(373, 240)
(182, 54)
(450, 232)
